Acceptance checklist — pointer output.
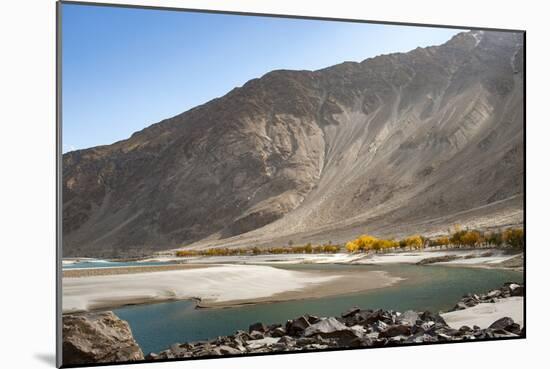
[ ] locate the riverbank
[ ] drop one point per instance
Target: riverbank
(211, 285)
(495, 314)
(355, 328)
(90, 272)
(483, 258)
(483, 315)
(229, 281)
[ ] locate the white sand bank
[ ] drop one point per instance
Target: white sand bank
(262, 259)
(217, 285)
(70, 261)
(474, 258)
(485, 314)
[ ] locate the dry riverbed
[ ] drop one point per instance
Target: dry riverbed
(486, 258)
(212, 285)
(90, 272)
(227, 281)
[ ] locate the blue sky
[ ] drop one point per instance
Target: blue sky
(125, 69)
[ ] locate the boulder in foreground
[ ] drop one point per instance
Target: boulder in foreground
(98, 338)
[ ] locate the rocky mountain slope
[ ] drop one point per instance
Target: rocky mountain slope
(399, 143)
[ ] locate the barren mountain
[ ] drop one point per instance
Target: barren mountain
(396, 144)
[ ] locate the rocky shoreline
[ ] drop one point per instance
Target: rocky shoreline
(354, 328)
(515, 262)
(510, 289)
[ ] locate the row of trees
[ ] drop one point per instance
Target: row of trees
(213, 252)
(306, 249)
(510, 237)
(366, 243)
(224, 251)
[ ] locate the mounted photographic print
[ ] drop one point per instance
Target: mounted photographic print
(234, 184)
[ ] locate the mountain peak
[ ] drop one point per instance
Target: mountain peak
(394, 143)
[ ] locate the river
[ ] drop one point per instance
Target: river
(436, 288)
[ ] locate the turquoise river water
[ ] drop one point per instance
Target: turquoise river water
(435, 288)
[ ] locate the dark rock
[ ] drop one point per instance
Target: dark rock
(213, 351)
(243, 336)
(259, 327)
(381, 342)
(297, 326)
(281, 347)
(478, 333)
(469, 302)
(438, 259)
(354, 310)
(178, 350)
(364, 342)
(494, 294)
(433, 317)
(380, 326)
(287, 340)
(514, 328)
(312, 319)
(324, 341)
(507, 290)
(278, 332)
(517, 291)
(460, 306)
(151, 356)
(317, 346)
(227, 350)
(359, 317)
(396, 330)
(304, 341)
(379, 315)
(499, 333)
(443, 337)
(503, 323)
(167, 354)
(421, 338)
(255, 335)
(333, 329)
(453, 332)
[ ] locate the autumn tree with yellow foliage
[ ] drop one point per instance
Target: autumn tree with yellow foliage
(414, 242)
(352, 247)
(515, 237)
(366, 243)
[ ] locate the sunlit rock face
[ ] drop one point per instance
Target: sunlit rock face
(98, 338)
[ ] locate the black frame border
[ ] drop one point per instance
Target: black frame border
(59, 174)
